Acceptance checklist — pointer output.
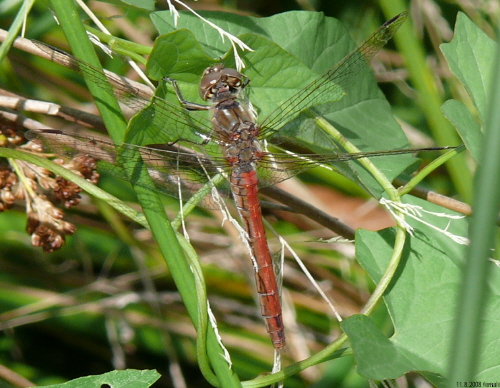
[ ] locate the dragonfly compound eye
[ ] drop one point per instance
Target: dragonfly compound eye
(208, 84)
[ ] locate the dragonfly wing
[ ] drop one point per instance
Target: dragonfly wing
(276, 168)
(333, 84)
(166, 120)
(176, 172)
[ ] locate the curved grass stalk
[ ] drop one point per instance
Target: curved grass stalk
(202, 328)
(153, 210)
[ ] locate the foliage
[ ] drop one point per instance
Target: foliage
(127, 378)
(110, 284)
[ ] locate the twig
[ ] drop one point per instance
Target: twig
(12, 101)
(310, 211)
(438, 199)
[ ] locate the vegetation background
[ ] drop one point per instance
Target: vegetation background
(107, 301)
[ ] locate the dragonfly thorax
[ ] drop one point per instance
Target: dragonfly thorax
(234, 122)
(219, 83)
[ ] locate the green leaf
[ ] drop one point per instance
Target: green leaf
(470, 57)
(421, 300)
(129, 378)
(377, 357)
(178, 55)
(148, 5)
(469, 130)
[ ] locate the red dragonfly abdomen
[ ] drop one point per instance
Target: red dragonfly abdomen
(244, 184)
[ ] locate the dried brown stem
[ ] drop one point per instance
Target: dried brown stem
(438, 199)
(310, 211)
(12, 101)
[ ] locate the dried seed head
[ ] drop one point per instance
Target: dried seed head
(7, 198)
(46, 227)
(7, 180)
(7, 177)
(34, 145)
(86, 166)
(47, 238)
(11, 133)
(67, 192)
(45, 223)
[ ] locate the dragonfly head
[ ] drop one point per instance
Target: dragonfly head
(218, 83)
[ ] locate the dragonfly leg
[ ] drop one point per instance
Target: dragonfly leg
(186, 104)
(245, 84)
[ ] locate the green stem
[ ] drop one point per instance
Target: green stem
(428, 169)
(351, 148)
(389, 272)
(121, 44)
(15, 27)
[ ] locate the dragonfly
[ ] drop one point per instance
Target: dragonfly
(233, 129)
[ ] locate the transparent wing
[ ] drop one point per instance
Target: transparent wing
(175, 171)
(277, 167)
(181, 172)
(332, 85)
(170, 118)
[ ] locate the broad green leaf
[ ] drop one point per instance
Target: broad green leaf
(470, 57)
(422, 297)
(129, 378)
(469, 130)
(147, 5)
(179, 55)
(376, 355)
